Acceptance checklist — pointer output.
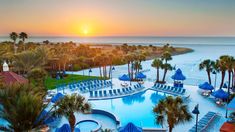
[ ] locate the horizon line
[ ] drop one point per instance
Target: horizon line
(128, 36)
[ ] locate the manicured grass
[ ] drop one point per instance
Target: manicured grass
(51, 83)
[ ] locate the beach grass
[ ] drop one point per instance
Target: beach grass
(51, 83)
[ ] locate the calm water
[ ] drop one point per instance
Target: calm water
(136, 40)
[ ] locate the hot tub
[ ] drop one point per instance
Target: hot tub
(88, 126)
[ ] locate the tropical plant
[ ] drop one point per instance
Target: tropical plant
(157, 63)
(28, 60)
(22, 105)
(14, 37)
(23, 36)
(172, 110)
(166, 67)
(221, 63)
(166, 56)
(69, 105)
(208, 65)
(37, 76)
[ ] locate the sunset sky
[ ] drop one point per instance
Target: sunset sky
(118, 17)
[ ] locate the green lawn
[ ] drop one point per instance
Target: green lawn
(50, 83)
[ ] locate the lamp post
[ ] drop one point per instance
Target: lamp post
(214, 72)
(90, 71)
(112, 76)
(196, 112)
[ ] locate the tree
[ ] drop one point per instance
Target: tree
(27, 60)
(23, 36)
(157, 63)
(175, 110)
(222, 68)
(14, 37)
(208, 65)
(166, 68)
(166, 56)
(227, 62)
(38, 76)
(69, 105)
(22, 105)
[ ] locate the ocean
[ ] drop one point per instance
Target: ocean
(136, 40)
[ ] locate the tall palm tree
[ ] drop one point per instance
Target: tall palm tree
(71, 104)
(23, 36)
(128, 59)
(175, 110)
(222, 67)
(98, 62)
(166, 68)
(157, 63)
(208, 65)
(228, 61)
(14, 37)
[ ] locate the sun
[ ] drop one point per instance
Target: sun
(85, 30)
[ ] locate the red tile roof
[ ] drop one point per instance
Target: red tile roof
(11, 78)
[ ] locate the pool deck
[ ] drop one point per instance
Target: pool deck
(205, 104)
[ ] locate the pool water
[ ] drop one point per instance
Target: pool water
(87, 126)
(136, 108)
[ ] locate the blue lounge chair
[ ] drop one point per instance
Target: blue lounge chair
(115, 92)
(119, 91)
(127, 90)
(123, 90)
(135, 87)
(96, 93)
(130, 89)
(105, 93)
(110, 93)
(100, 93)
(183, 91)
(91, 93)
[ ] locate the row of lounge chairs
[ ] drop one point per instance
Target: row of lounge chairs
(115, 92)
(169, 89)
(204, 122)
(91, 86)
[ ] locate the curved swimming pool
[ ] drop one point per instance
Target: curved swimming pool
(138, 108)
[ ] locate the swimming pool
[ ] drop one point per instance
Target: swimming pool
(138, 108)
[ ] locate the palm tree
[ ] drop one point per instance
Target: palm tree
(222, 67)
(137, 66)
(22, 105)
(27, 60)
(228, 62)
(14, 37)
(230, 65)
(23, 36)
(208, 65)
(98, 62)
(157, 63)
(166, 56)
(128, 59)
(175, 110)
(71, 104)
(166, 67)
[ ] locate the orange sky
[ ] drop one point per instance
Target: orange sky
(118, 17)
